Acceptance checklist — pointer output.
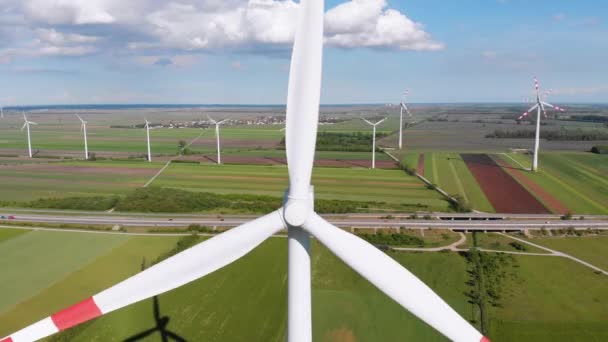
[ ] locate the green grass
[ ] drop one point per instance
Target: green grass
(497, 242)
(44, 258)
(79, 279)
(575, 179)
(391, 186)
(410, 159)
(7, 233)
(73, 179)
(450, 173)
(593, 249)
(552, 299)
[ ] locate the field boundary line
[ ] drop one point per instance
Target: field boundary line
(558, 253)
(517, 162)
(158, 173)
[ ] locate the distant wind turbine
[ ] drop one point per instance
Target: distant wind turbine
(403, 108)
(83, 129)
(374, 140)
(148, 139)
(540, 105)
(217, 137)
(29, 138)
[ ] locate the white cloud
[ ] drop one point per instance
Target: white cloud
(181, 27)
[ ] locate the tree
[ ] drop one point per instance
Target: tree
(181, 145)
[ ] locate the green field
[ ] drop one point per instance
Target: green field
(497, 242)
(450, 173)
(578, 180)
(593, 249)
(68, 179)
(541, 301)
(552, 299)
(391, 186)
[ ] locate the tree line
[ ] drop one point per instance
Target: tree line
(557, 135)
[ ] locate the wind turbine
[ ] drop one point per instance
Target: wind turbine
(403, 108)
(83, 128)
(217, 137)
(374, 140)
(541, 104)
(29, 138)
(148, 139)
(297, 215)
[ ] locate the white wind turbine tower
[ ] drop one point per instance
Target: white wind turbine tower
(297, 215)
(29, 137)
(540, 105)
(217, 137)
(83, 128)
(403, 108)
(148, 140)
(374, 140)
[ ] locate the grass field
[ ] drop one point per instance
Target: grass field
(450, 173)
(497, 242)
(543, 302)
(552, 299)
(593, 249)
(576, 179)
(33, 181)
(391, 186)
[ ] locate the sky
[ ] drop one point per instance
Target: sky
(237, 51)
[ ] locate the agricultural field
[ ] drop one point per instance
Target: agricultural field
(540, 301)
(593, 249)
(577, 180)
(449, 172)
(73, 179)
(497, 242)
(390, 186)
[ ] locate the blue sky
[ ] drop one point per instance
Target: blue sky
(464, 51)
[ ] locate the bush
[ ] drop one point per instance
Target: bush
(518, 246)
(393, 239)
(600, 149)
(75, 203)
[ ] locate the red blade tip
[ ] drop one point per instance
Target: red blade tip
(485, 339)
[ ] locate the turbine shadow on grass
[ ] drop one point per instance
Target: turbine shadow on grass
(161, 327)
(162, 323)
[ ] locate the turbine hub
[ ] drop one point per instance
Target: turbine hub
(297, 210)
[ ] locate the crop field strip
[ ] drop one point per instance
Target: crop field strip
(504, 193)
(33, 181)
(347, 184)
(542, 305)
(550, 202)
(453, 176)
(579, 197)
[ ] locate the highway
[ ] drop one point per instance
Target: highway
(468, 222)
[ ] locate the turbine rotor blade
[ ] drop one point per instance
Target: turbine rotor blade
(303, 98)
(381, 121)
(24, 125)
(394, 280)
(527, 112)
(368, 122)
(174, 272)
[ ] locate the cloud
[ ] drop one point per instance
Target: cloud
(368, 23)
(186, 27)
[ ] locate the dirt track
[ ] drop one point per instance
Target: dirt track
(420, 169)
(504, 192)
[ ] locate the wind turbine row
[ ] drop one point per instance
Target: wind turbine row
(541, 104)
(297, 216)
